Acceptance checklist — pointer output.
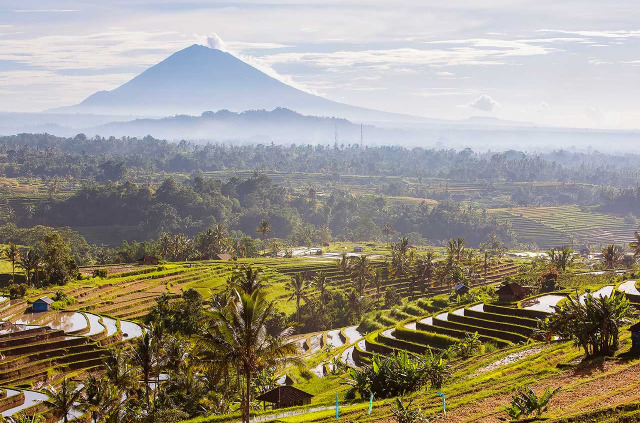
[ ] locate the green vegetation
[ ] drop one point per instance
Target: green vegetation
(526, 402)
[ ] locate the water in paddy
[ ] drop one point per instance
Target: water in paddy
(602, 292)
(333, 338)
(352, 334)
(68, 321)
(110, 324)
(95, 327)
(28, 317)
(545, 303)
(30, 398)
(130, 330)
(629, 287)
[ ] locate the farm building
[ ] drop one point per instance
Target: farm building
(286, 396)
(42, 304)
(510, 292)
(462, 289)
(635, 337)
(222, 256)
(357, 249)
(148, 260)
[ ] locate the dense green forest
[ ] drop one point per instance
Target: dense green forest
(119, 158)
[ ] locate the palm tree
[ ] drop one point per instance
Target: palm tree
(399, 259)
(99, 398)
(456, 247)
(299, 286)
(321, 281)
(117, 369)
(611, 256)
(264, 228)
(30, 261)
(12, 254)
(388, 230)
(635, 245)
(361, 273)
(61, 400)
(344, 263)
(239, 336)
(247, 278)
(145, 355)
(377, 281)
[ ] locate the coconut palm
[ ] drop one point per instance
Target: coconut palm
(13, 255)
(299, 286)
(61, 400)
(145, 356)
(377, 281)
(361, 273)
(247, 278)
(264, 228)
(456, 247)
(321, 281)
(388, 230)
(635, 245)
(399, 258)
(344, 263)
(99, 398)
(30, 261)
(238, 335)
(611, 256)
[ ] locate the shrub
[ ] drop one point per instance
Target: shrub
(468, 346)
(593, 324)
(387, 377)
(391, 298)
(17, 291)
(99, 273)
(436, 368)
(405, 414)
(526, 402)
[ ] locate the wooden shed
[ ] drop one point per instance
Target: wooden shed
(286, 396)
(42, 304)
(635, 337)
(148, 260)
(510, 292)
(222, 256)
(462, 289)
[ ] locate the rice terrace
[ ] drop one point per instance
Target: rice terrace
(391, 212)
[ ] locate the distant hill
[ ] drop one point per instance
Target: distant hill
(198, 78)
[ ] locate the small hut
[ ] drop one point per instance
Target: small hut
(222, 256)
(358, 249)
(462, 289)
(152, 260)
(635, 337)
(286, 396)
(510, 292)
(42, 304)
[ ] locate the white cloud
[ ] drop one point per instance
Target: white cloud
(484, 103)
(597, 34)
(46, 10)
(214, 41)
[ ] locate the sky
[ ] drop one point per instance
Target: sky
(564, 63)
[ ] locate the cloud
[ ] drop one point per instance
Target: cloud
(214, 41)
(46, 10)
(484, 103)
(597, 34)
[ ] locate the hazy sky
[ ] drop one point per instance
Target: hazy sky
(559, 62)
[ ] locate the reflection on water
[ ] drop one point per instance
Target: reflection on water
(130, 330)
(95, 327)
(545, 303)
(110, 324)
(27, 318)
(68, 321)
(30, 398)
(352, 334)
(333, 338)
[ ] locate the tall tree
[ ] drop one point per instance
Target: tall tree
(611, 256)
(321, 281)
(145, 356)
(62, 399)
(238, 333)
(247, 278)
(361, 273)
(388, 230)
(635, 245)
(344, 263)
(456, 247)
(99, 398)
(264, 228)
(299, 287)
(12, 254)
(59, 266)
(30, 261)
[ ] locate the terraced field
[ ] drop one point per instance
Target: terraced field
(40, 349)
(553, 227)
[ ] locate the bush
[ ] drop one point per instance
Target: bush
(17, 291)
(405, 414)
(387, 377)
(526, 402)
(99, 273)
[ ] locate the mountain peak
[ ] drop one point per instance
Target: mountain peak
(198, 78)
